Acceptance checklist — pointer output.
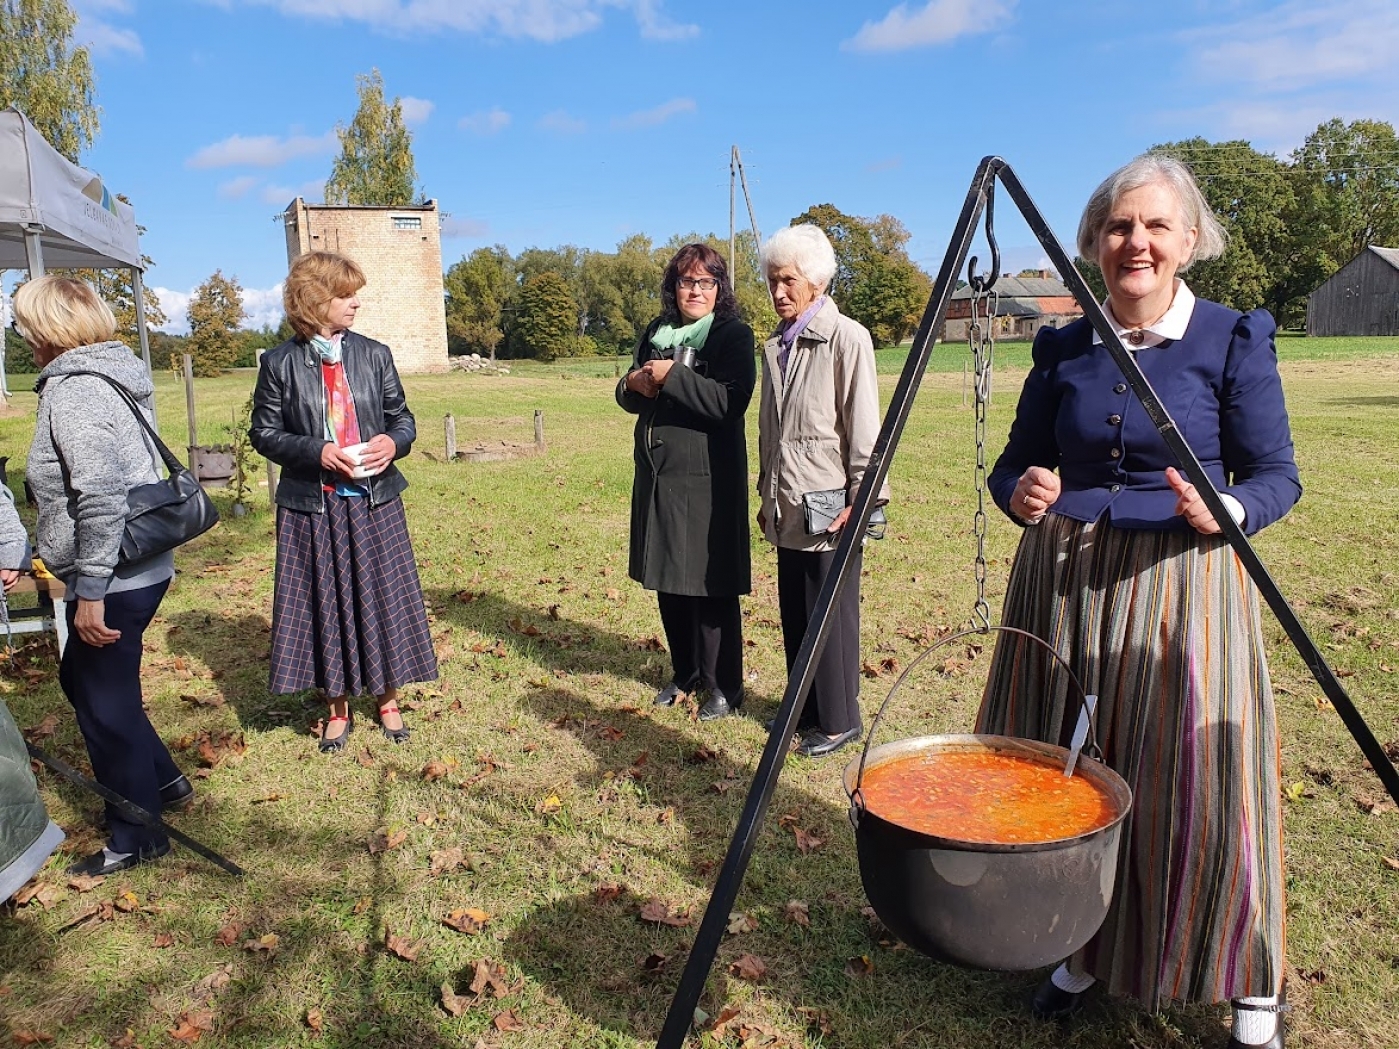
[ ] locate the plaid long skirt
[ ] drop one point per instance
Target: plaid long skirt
(347, 606)
(1164, 627)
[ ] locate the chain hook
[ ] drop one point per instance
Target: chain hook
(980, 284)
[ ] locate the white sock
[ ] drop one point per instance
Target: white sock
(113, 857)
(1067, 981)
(1252, 1026)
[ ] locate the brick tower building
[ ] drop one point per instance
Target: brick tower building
(400, 251)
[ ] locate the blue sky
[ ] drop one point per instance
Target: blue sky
(546, 122)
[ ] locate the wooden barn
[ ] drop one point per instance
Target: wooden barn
(1361, 298)
(1026, 305)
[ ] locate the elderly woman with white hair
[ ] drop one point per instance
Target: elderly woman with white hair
(817, 424)
(1122, 569)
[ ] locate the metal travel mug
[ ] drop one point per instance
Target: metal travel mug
(685, 356)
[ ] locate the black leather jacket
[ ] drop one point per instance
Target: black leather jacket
(288, 421)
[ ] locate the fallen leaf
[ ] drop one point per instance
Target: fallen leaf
(741, 923)
(31, 1038)
(314, 1020)
(806, 842)
(798, 912)
(85, 882)
(722, 786)
(434, 770)
(726, 1016)
(469, 920)
(42, 893)
(203, 701)
(163, 939)
(125, 1041)
(549, 805)
(43, 730)
(1312, 976)
(654, 961)
(489, 977)
(654, 910)
(603, 893)
(507, 1021)
(212, 984)
(363, 904)
(266, 944)
(192, 1025)
(454, 1003)
(861, 966)
(365, 757)
(385, 839)
(1391, 863)
(749, 967)
(228, 935)
(444, 860)
(702, 754)
(401, 946)
(127, 902)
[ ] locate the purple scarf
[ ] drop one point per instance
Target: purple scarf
(788, 331)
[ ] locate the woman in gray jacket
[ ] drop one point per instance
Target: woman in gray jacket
(88, 452)
(817, 424)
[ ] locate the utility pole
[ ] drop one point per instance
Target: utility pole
(737, 179)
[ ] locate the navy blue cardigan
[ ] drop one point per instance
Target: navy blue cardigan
(1219, 383)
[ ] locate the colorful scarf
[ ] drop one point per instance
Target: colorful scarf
(787, 333)
(668, 336)
(341, 423)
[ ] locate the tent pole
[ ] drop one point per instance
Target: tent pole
(34, 252)
(139, 291)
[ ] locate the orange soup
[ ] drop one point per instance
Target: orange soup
(985, 797)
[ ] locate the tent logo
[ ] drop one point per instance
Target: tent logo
(97, 193)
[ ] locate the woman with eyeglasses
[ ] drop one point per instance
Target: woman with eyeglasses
(690, 382)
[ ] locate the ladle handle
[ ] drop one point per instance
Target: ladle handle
(857, 798)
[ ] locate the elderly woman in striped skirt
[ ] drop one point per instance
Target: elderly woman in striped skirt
(1123, 571)
(347, 607)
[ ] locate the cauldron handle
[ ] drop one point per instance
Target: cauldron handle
(857, 798)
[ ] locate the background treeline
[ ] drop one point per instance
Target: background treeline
(547, 303)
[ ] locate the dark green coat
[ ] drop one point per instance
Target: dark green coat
(689, 503)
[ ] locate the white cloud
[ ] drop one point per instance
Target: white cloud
(1301, 45)
(561, 123)
(416, 110)
(261, 306)
(937, 22)
(237, 189)
(546, 21)
(261, 151)
(99, 35)
(313, 192)
(485, 122)
(473, 229)
(658, 115)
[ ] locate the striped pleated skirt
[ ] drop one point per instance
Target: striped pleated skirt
(1164, 627)
(347, 606)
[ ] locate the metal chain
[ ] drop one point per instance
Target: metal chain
(982, 341)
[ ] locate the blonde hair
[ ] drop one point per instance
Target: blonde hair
(59, 313)
(314, 279)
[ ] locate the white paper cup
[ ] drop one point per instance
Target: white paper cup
(356, 452)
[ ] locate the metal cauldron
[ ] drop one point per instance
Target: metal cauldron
(1008, 907)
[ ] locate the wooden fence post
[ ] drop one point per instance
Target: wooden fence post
(451, 426)
(539, 430)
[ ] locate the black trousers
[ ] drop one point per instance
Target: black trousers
(705, 635)
(833, 704)
(104, 686)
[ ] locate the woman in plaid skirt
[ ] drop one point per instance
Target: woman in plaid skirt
(347, 607)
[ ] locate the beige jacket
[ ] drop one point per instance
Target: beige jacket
(816, 429)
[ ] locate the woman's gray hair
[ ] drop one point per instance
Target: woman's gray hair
(1211, 238)
(806, 249)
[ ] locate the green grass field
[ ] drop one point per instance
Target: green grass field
(544, 793)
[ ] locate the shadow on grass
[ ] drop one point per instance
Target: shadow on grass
(328, 955)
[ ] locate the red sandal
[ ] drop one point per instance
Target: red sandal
(393, 735)
(334, 746)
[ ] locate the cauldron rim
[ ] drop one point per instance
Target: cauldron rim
(1112, 784)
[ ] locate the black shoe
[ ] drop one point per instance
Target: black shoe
(176, 794)
(719, 705)
(97, 865)
(816, 744)
(336, 745)
(1052, 1002)
(393, 735)
(1274, 1042)
(667, 696)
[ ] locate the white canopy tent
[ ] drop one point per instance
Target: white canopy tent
(57, 215)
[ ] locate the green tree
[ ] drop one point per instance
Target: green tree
(622, 292)
(876, 283)
(1345, 180)
(546, 324)
(375, 166)
(215, 313)
(479, 288)
(1251, 195)
(45, 76)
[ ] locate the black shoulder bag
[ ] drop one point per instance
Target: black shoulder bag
(164, 514)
